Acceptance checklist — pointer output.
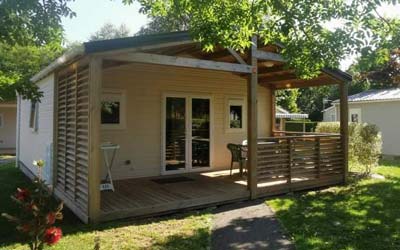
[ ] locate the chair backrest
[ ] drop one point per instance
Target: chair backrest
(236, 151)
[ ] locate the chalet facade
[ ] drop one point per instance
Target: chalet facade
(168, 110)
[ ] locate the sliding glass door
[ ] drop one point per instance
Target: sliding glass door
(186, 133)
(175, 133)
(200, 133)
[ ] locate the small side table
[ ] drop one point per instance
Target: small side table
(108, 184)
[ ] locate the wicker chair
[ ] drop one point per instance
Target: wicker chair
(236, 153)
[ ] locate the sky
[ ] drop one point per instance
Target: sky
(92, 14)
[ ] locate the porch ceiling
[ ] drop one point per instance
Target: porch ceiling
(271, 73)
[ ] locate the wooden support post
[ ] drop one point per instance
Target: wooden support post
(273, 111)
(318, 157)
(252, 86)
(290, 149)
(95, 85)
(344, 127)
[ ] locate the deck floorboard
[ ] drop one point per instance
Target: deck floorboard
(144, 196)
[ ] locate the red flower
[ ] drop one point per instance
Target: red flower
(52, 235)
(51, 218)
(22, 194)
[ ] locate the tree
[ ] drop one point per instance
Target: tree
(298, 24)
(287, 99)
(32, 22)
(379, 67)
(110, 31)
(30, 37)
(163, 24)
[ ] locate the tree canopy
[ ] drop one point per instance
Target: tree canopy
(298, 24)
(30, 37)
(110, 31)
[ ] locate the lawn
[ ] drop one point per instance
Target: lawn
(362, 215)
(184, 231)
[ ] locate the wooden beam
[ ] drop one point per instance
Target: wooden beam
(252, 85)
(273, 69)
(94, 171)
(273, 110)
(277, 78)
(344, 127)
(300, 83)
(237, 56)
(269, 56)
(181, 62)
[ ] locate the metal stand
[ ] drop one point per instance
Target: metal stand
(108, 184)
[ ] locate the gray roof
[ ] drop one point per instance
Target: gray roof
(283, 113)
(375, 95)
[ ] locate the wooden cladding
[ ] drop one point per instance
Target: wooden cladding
(72, 137)
(291, 159)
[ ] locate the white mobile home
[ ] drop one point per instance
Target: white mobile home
(379, 107)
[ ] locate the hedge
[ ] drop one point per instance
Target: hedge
(297, 126)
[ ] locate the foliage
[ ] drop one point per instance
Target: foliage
(299, 25)
(363, 215)
(110, 31)
(32, 22)
(297, 126)
(310, 100)
(365, 143)
(180, 232)
(163, 24)
(18, 64)
(37, 213)
(287, 99)
(30, 37)
(328, 127)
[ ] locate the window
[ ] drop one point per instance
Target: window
(33, 116)
(1, 120)
(354, 118)
(355, 115)
(113, 109)
(235, 115)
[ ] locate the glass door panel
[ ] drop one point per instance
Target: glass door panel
(200, 133)
(175, 134)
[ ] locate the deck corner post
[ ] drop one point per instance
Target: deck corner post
(95, 86)
(344, 127)
(252, 86)
(273, 112)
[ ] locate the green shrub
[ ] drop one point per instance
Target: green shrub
(365, 144)
(328, 127)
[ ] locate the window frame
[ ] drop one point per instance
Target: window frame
(115, 95)
(235, 101)
(33, 122)
(355, 111)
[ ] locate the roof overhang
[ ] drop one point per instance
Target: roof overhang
(181, 46)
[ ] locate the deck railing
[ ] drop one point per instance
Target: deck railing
(296, 159)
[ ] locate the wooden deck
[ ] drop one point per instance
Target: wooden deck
(147, 196)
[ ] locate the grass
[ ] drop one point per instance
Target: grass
(184, 231)
(6, 157)
(362, 215)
